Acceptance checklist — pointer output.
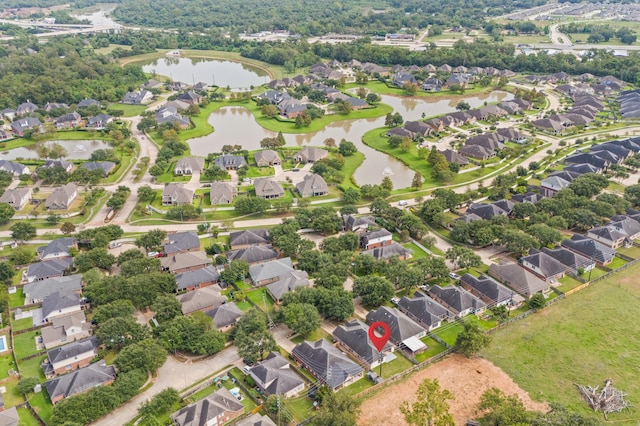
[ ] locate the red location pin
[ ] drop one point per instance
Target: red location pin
(379, 341)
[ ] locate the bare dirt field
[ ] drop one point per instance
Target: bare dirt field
(466, 378)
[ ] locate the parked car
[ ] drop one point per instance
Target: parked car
(424, 287)
(402, 202)
(161, 254)
(454, 276)
(395, 300)
(152, 253)
(114, 245)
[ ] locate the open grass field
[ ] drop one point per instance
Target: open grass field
(586, 338)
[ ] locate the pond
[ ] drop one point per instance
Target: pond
(98, 15)
(236, 125)
(217, 72)
(77, 150)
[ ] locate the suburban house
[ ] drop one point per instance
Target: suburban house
(454, 157)
(424, 310)
(68, 121)
(107, 167)
(269, 272)
(432, 84)
(60, 247)
(358, 224)
(215, 410)
(16, 169)
(518, 278)
(572, 260)
(544, 266)
(47, 269)
(19, 127)
(256, 420)
(598, 252)
(184, 262)
(405, 332)
(550, 186)
(309, 154)
(327, 364)
(287, 282)
(275, 376)
(62, 197)
(16, 198)
(175, 194)
(26, 108)
(52, 164)
(312, 185)
(99, 122)
(58, 304)
(401, 78)
(418, 128)
(476, 151)
(192, 98)
(138, 98)
(169, 114)
(222, 193)
(189, 166)
(192, 280)
(377, 238)
(65, 329)
(152, 84)
(457, 300)
(248, 238)
(87, 103)
(268, 188)
(201, 299)
(609, 236)
(9, 417)
(38, 291)
(266, 158)
(353, 337)
(253, 255)
(230, 162)
(388, 251)
(225, 316)
(69, 357)
(181, 242)
(490, 291)
(529, 197)
(80, 381)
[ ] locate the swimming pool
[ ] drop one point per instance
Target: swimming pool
(3, 343)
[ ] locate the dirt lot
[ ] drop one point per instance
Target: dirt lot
(466, 378)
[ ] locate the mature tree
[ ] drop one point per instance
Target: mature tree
(471, 340)
(403, 276)
(159, 404)
(190, 334)
(463, 106)
(347, 148)
(147, 355)
(6, 213)
(275, 406)
(166, 307)
(374, 290)
(632, 194)
(252, 337)
(115, 309)
(119, 332)
(336, 409)
(405, 144)
(248, 205)
(23, 231)
(130, 254)
(302, 318)
(94, 258)
(151, 239)
(433, 266)
(430, 408)
(416, 183)
(537, 301)
(545, 234)
(351, 196)
(501, 409)
(140, 266)
(560, 416)
(386, 184)
(67, 228)
(146, 193)
(463, 257)
(22, 255)
(26, 385)
(524, 210)
(518, 242)
(6, 272)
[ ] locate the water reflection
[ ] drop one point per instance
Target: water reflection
(77, 150)
(98, 15)
(236, 125)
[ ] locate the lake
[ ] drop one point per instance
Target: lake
(236, 125)
(218, 72)
(77, 150)
(98, 15)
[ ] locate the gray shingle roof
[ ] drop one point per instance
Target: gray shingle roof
(355, 335)
(59, 247)
(288, 281)
(185, 260)
(249, 237)
(326, 362)
(266, 187)
(201, 298)
(309, 153)
(201, 412)
(457, 298)
(181, 241)
(402, 327)
(105, 166)
(568, 258)
(425, 309)
(269, 270)
(225, 315)
(40, 290)
(388, 251)
(590, 248)
(491, 289)
(230, 161)
(222, 192)
(253, 254)
(80, 380)
(14, 196)
(312, 185)
(257, 420)
(72, 349)
(62, 196)
(275, 375)
(13, 167)
(518, 278)
(48, 268)
(197, 277)
(545, 265)
(57, 301)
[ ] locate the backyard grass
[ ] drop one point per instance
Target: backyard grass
(616, 263)
(357, 386)
(16, 299)
(418, 253)
(42, 405)
(129, 110)
(26, 418)
(12, 397)
(434, 349)
(568, 283)
(25, 344)
(547, 353)
(256, 297)
(300, 407)
(31, 368)
(315, 335)
(633, 251)
(396, 366)
(449, 332)
(22, 324)
(6, 364)
(483, 323)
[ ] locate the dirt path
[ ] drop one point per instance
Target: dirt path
(466, 378)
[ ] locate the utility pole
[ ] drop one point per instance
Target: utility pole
(270, 322)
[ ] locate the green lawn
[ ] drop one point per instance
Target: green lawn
(396, 366)
(25, 344)
(16, 299)
(315, 335)
(256, 297)
(568, 283)
(616, 263)
(633, 251)
(484, 324)
(585, 338)
(129, 110)
(418, 253)
(351, 163)
(6, 363)
(12, 397)
(26, 418)
(31, 368)
(449, 332)
(357, 386)
(434, 349)
(42, 405)
(300, 407)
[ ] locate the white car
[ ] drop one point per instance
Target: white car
(402, 203)
(153, 253)
(114, 245)
(454, 276)
(395, 300)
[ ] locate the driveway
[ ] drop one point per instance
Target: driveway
(176, 375)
